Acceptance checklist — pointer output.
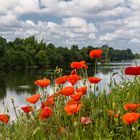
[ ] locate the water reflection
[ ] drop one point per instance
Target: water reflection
(19, 84)
(2, 89)
(20, 81)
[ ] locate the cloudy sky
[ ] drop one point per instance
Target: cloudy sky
(67, 22)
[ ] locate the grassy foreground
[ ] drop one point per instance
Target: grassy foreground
(105, 113)
(78, 112)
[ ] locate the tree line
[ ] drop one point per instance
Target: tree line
(28, 52)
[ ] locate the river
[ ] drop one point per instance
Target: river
(18, 85)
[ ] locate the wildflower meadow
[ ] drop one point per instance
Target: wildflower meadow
(74, 112)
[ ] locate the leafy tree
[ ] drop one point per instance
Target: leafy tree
(29, 52)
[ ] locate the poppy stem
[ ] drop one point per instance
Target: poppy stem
(95, 66)
(14, 107)
(94, 88)
(84, 76)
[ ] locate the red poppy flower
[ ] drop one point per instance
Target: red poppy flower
(73, 79)
(67, 91)
(27, 109)
(96, 53)
(130, 118)
(33, 99)
(85, 120)
(42, 82)
(61, 80)
(132, 70)
(4, 118)
(73, 72)
(49, 101)
(72, 108)
(77, 96)
(78, 65)
(82, 89)
(131, 107)
(94, 80)
(45, 113)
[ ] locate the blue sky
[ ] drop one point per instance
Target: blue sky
(67, 22)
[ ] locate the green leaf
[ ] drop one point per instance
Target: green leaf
(36, 131)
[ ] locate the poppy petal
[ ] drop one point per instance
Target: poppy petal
(33, 99)
(45, 113)
(4, 118)
(42, 82)
(67, 91)
(27, 109)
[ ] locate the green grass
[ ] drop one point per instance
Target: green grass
(103, 126)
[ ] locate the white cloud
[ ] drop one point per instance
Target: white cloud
(30, 23)
(80, 8)
(73, 29)
(98, 4)
(8, 20)
(134, 4)
(135, 40)
(18, 7)
(114, 12)
(132, 21)
(119, 35)
(107, 37)
(74, 22)
(92, 36)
